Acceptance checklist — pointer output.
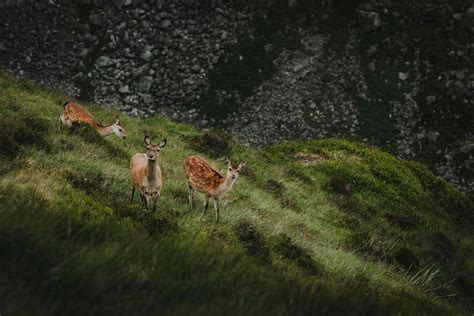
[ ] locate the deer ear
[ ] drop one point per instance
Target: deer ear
(228, 162)
(147, 140)
(117, 120)
(242, 164)
(163, 143)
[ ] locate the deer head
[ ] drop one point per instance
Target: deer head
(233, 170)
(117, 128)
(153, 150)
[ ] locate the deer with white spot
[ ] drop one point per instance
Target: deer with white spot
(146, 174)
(201, 176)
(75, 114)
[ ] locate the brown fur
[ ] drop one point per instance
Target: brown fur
(75, 113)
(201, 175)
(146, 174)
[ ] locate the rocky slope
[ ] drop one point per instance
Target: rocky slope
(394, 74)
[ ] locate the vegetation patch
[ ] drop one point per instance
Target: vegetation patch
(309, 158)
(89, 182)
(285, 247)
(21, 131)
(375, 243)
(252, 240)
(72, 241)
(405, 222)
(215, 144)
(405, 257)
(340, 185)
(280, 192)
(300, 175)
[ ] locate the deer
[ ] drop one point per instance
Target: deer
(146, 174)
(74, 114)
(202, 177)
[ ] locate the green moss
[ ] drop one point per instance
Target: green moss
(70, 237)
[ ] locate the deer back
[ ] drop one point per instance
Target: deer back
(76, 113)
(201, 175)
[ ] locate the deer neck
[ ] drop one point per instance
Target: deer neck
(104, 130)
(226, 184)
(151, 170)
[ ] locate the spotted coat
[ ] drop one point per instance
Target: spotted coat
(201, 175)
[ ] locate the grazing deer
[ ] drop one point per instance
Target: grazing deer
(146, 174)
(74, 113)
(201, 176)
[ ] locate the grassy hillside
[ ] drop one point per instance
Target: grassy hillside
(322, 227)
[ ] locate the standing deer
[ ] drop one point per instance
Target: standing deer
(74, 113)
(146, 174)
(201, 176)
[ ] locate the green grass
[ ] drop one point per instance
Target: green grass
(71, 242)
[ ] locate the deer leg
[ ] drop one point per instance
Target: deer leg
(154, 203)
(191, 196)
(133, 193)
(216, 208)
(145, 204)
(206, 203)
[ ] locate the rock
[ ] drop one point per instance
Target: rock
(467, 148)
(298, 67)
(432, 136)
(144, 85)
(460, 88)
(141, 70)
(224, 35)
(372, 67)
(372, 49)
(430, 99)
(460, 75)
(124, 89)
(470, 13)
(369, 20)
(292, 4)
(147, 55)
(402, 76)
(457, 16)
(127, 2)
(104, 61)
(147, 98)
(387, 43)
(95, 19)
(165, 24)
(90, 38)
(268, 48)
